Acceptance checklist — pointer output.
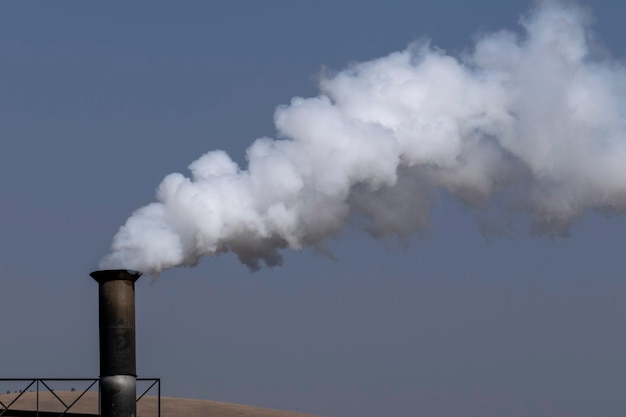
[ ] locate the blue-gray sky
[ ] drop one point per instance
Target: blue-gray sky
(99, 101)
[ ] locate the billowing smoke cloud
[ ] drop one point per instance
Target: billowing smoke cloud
(529, 123)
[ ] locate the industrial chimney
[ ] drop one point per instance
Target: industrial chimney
(118, 373)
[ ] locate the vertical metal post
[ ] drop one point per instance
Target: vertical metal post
(37, 398)
(118, 373)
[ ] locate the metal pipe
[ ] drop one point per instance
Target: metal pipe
(118, 371)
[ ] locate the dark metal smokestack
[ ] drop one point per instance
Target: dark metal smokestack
(118, 371)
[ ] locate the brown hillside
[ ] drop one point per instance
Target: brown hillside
(146, 407)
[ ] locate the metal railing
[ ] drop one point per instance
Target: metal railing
(38, 385)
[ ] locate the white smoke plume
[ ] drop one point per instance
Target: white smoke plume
(530, 123)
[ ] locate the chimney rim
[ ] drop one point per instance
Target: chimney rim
(105, 275)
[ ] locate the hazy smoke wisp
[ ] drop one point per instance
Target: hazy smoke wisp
(529, 121)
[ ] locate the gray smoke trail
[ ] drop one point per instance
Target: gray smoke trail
(529, 123)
